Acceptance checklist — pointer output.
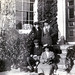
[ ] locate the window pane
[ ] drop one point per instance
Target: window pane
(70, 23)
(71, 13)
(27, 17)
(71, 32)
(19, 25)
(19, 6)
(32, 0)
(19, 16)
(26, 6)
(24, 15)
(31, 6)
(31, 15)
(71, 2)
(31, 22)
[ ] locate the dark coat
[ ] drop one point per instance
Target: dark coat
(47, 38)
(54, 34)
(36, 34)
(37, 51)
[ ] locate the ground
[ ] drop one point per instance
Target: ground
(17, 72)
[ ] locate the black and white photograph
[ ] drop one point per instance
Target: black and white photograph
(37, 37)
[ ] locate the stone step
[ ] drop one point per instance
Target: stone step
(62, 61)
(64, 46)
(61, 66)
(63, 55)
(64, 50)
(60, 72)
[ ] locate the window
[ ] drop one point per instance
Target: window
(71, 2)
(24, 11)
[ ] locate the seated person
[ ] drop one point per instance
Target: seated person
(33, 60)
(70, 57)
(46, 64)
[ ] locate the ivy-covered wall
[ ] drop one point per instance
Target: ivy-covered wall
(47, 9)
(8, 12)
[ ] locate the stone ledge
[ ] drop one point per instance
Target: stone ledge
(61, 72)
(63, 55)
(64, 46)
(61, 66)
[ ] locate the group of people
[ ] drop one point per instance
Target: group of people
(42, 57)
(47, 34)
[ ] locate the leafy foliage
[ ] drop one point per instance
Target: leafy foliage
(13, 49)
(47, 9)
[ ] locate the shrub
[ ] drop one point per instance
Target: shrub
(14, 49)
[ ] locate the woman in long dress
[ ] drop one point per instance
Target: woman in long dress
(46, 62)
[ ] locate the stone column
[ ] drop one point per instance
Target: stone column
(61, 15)
(35, 9)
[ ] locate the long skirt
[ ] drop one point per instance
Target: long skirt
(46, 69)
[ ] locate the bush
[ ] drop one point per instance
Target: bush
(14, 49)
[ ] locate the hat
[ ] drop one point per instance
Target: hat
(35, 41)
(45, 46)
(36, 23)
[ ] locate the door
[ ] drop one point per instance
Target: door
(70, 20)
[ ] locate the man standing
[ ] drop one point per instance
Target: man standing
(36, 32)
(46, 34)
(55, 34)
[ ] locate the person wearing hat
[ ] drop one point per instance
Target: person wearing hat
(37, 48)
(46, 61)
(46, 34)
(33, 60)
(36, 32)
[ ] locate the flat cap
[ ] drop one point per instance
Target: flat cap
(35, 41)
(45, 46)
